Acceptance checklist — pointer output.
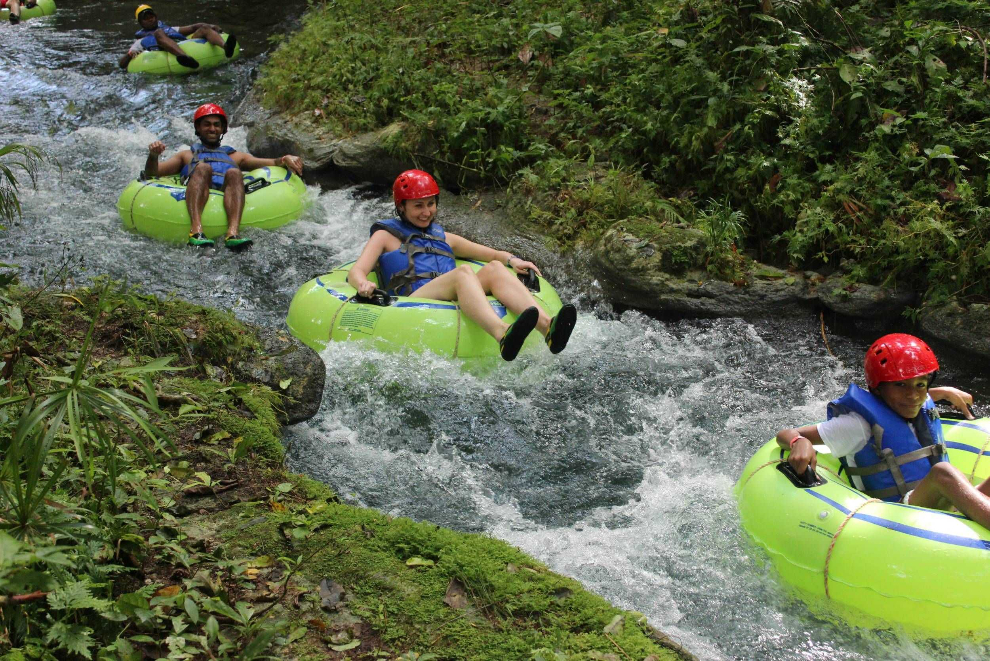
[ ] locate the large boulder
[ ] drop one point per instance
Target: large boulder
(664, 273)
(284, 360)
(363, 157)
(272, 134)
(864, 301)
(967, 328)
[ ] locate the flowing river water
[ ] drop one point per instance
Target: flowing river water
(613, 462)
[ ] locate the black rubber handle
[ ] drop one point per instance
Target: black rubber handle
(378, 297)
(530, 279)
(806, 480)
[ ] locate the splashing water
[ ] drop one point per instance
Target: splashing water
(613, 462)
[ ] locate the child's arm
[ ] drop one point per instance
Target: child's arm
(960, 399)
(800, 442)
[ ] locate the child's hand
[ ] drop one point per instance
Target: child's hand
(803, 455)
(959, 399)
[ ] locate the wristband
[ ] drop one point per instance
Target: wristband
(795, 440)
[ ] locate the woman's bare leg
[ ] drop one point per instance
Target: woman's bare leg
(503, 284)
(462, 285)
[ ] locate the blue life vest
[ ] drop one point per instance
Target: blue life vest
(423, 255)
(218, 158)
(152, 44)
(895, 459)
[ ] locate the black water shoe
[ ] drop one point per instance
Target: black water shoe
(187, 61)
(516, 334)
(230, 45)
(14, 19)
(560, 328)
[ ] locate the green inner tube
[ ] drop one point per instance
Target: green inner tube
(324, 309)
(43, 8)
(160, 63)
(872, 562)
(157, 207)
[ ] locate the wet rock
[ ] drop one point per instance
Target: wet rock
(287, 361)
(967, 328)
(365, 156)
(270, 134)
(856, 299)
(664, 273)
(273, 133)
(330, 594)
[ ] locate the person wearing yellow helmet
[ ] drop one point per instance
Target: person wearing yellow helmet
(15, 8)
(157, 35)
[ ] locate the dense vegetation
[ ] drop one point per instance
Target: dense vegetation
(803, 131)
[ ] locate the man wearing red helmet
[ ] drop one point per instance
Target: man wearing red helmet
(889, 439)
(156, 35)
(208, 165)
(412, 253)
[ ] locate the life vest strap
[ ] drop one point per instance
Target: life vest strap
(883, 494)
(935, 450)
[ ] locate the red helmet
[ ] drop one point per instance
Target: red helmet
(208, 109)
(413, 185)
(896, 357)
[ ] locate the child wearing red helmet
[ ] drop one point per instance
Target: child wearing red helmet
(889, 438)
(414, 254)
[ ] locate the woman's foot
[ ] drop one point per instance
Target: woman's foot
(187, 61)
(516, 334)
(230, 45)
(200, 241)
(560, 328)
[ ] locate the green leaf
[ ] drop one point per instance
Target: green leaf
(284, 383)
(212, 628)
(192, 609)
(186, 408)
(680, 43)
(13, 317)
(346, 646)
(847, 72)
(73, 637)
(768, 19)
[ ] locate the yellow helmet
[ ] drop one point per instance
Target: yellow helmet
(137, 12)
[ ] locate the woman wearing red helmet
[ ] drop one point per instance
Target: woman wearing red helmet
(412, 253)
(889, 438)
(208, 165)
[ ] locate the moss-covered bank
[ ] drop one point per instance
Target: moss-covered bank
(794, 133)
(176, 531)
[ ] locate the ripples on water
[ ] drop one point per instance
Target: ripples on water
(613, 462)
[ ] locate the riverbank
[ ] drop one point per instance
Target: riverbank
(755, 156)
(163, 522)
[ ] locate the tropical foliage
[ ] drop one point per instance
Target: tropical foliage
(16, 160)
(841, 130)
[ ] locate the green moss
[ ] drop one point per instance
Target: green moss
(515, 605)
(244, 410)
